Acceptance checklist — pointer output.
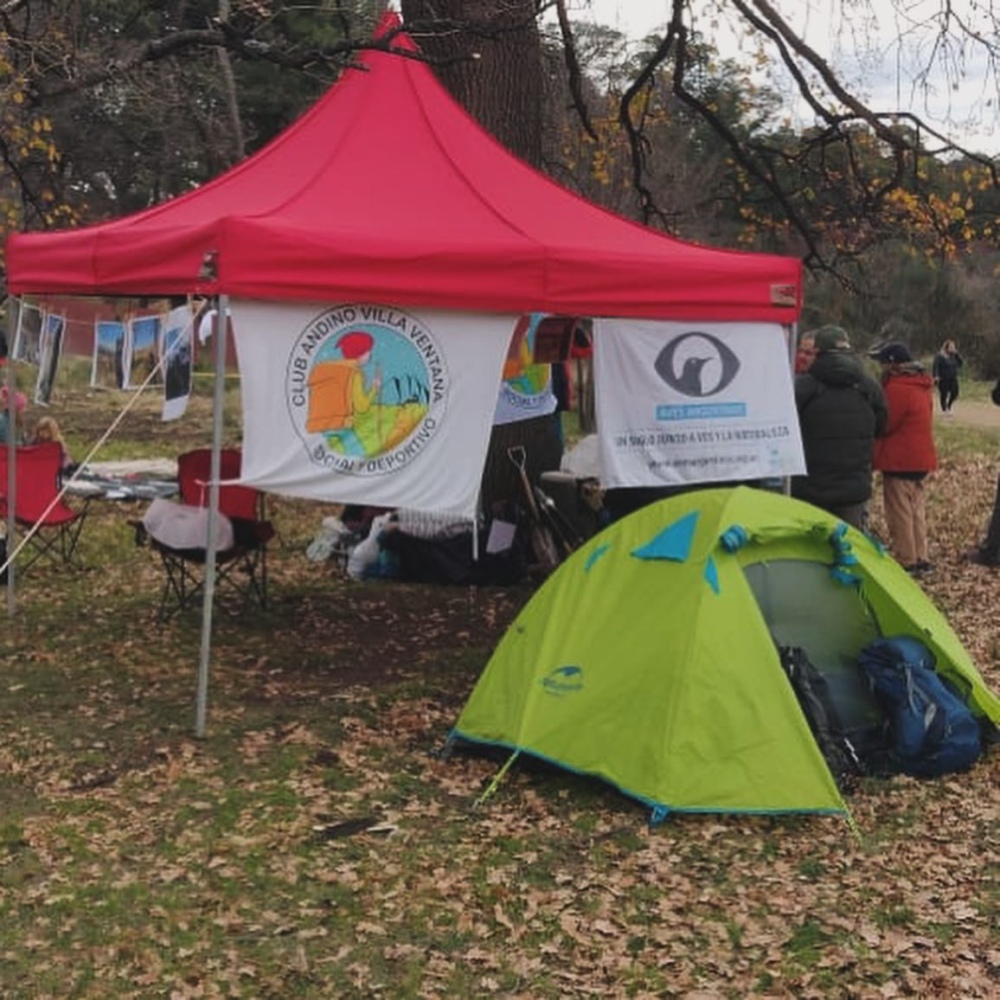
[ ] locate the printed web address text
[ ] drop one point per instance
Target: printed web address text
(702, 461)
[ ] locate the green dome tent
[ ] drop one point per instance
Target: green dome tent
(650, 657)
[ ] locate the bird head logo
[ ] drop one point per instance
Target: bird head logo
(697, 364)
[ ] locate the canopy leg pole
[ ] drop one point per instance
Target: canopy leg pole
(793, 343)
(218, 401)
(10, 487)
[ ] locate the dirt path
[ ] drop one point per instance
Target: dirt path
(975, 414)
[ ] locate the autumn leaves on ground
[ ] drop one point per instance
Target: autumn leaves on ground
(315, 845)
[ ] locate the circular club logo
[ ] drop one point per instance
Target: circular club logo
(697, 364)
(366, 388)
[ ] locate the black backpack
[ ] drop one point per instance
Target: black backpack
(848, 754)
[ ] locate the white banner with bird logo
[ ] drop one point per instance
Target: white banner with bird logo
(358, 403)
(694, 402)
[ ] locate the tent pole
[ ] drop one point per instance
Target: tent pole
(218, 400)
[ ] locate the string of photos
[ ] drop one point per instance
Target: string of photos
(127, 353)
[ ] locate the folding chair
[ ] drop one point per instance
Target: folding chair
(51, 525)
(241, 568)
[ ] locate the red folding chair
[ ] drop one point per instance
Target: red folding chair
(240, 568)
(52, 527)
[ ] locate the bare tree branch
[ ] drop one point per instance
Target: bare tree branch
(573, 68)
(632, 124)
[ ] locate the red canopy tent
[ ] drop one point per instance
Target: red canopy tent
(387, 191)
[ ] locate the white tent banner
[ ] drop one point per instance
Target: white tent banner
(694, 402)
(370, 404)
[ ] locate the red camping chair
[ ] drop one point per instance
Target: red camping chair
(242, 567)
(52, 527)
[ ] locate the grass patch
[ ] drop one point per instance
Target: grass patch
(958, 441)
(807, 943)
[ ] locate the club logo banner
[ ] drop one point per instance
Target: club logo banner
(366, 389)
(368, 403)
(686, 403)
(526, 390)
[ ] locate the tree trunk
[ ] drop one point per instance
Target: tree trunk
(492, 67)
(229, 82)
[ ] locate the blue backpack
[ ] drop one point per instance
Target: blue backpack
(932, 730)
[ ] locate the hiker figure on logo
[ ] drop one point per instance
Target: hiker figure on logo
(340, 394)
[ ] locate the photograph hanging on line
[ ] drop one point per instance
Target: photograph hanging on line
(142, 351)
(108, 368)
(50, 350)
(176, 350)
(27, 340)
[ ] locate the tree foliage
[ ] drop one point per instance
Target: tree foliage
(136, 97)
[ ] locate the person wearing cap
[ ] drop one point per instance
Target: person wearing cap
(905, 454)
(841, 411)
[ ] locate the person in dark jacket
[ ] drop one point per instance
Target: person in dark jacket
(987, 552)
(841, 411)
(906, 455)
(944, 371)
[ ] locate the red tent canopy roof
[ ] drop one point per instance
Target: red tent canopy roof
(387, 191)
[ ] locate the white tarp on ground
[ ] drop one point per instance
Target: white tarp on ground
(361, 403)
(694, 402)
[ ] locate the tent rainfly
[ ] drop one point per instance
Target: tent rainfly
(650, 657)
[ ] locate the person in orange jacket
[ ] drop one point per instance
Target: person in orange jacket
(905, 454)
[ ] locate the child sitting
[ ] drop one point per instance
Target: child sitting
(48, 430)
